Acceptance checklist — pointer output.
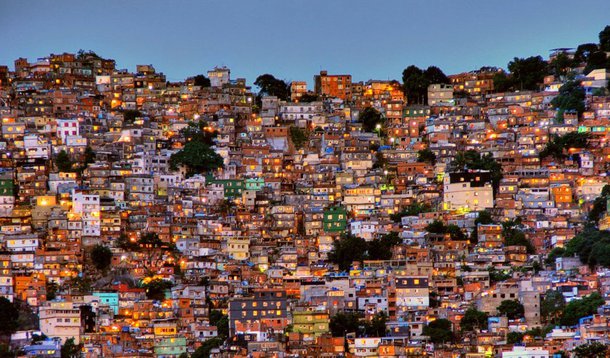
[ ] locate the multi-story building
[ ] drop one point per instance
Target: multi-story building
(468, 191)
(61, 320)
(339, 86)
(440, 94)
(265, 312)
(219, 76)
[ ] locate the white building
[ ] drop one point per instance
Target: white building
(364, 229)
(66, 128)
(526, 352)
(219, 76)
(440, 94)
(87, 206)
(6, 278)
(366, 347)
(60, 320)
(301, 113)
(470, 190)
(36, 147)
(412, 291)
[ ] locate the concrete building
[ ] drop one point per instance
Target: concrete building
(440, 94)
(60, 320)
(339, 86)
(468, 191)
(526, 352)
(219, 76)
(265, 311)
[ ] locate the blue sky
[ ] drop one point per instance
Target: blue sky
(294, 40)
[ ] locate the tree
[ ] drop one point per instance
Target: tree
(512, 309)
(591, 350)
(553, 255)
(439, 331)
(456, 233)
(346, 250)
(583, 307)
(199, 131)
(51, 288)
(571, 98)
(201, 81)
(89, 156)
(604, 39)
(517, 238)
(435, 75)
(271, 86)
(370, 119)
(426, 156)
(596, 60)
(101, 256)
(473, 320)
(496, 275)
(80, 284)
(411, 210)
(206, 347)
(561, 64)
(197, 157)
(381, 249)
(556, 145)
(552, 305)
(7, 352)
(37, 338)
(82, 54)
(472, 159)
(584, 51)
(130, 115)
(514, 338)
(416, 82)
(344, 322)
(502, 82)
(221, 321)
(591, 246)
(63, 161)
(124, 243)
(155, 289)
(528, 73)
(599, 205)
(377, 326)
(484, 218)
(435, 300)
(439, 228)
(436, 227)
(309, 97)
(380, 160)
(10, 316)
(70, 349)
(298, 136)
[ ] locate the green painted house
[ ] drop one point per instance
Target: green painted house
(7, 187)
(335, 219)
(110, 299)
(311, 323)
(232, 187)
(255, 183)
(170, 346)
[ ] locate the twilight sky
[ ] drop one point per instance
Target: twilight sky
(294, 40)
